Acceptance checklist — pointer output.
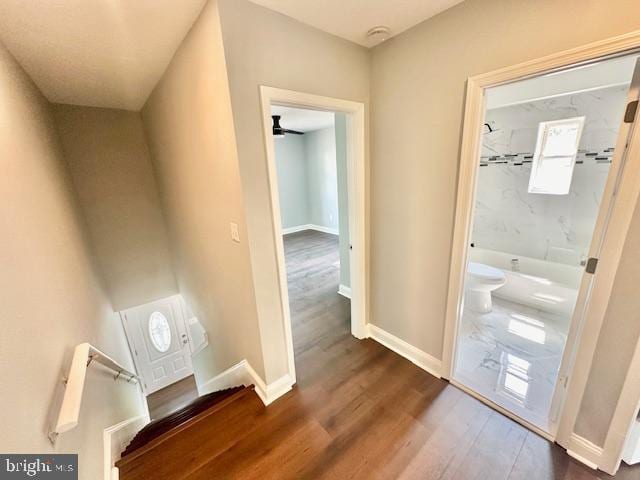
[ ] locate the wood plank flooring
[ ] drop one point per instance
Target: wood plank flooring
(173, 397)
(358, 411)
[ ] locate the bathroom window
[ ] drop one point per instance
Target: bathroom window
(555, 156)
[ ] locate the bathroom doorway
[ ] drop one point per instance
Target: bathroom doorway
(551, 158)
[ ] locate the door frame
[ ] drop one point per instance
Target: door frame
(355, 120)
(585, 334)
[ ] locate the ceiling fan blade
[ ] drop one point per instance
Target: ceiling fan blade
(277, 129)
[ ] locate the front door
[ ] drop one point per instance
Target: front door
(159, 343)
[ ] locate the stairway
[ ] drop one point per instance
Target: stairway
(188, 431)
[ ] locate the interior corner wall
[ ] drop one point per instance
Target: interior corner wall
(108, 159)
(260, 51)
(50, 296)
(308, 179)
(322, 178)
(291, 164)
(343, 198)
(189, 126)
(418, 92)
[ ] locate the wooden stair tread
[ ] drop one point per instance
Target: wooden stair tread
(158, 431)
(195, 445)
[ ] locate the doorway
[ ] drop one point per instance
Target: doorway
(310, 154)
(338, 234)
(534, 207)
(162, 339)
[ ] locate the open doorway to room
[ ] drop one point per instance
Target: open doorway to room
(544, 183)
(311, 156)
(315, 157)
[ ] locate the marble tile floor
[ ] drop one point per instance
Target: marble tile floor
(511, 356)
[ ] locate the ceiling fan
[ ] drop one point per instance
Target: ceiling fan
(278, 131)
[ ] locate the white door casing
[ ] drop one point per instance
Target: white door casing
(626, 199)
(356, 172)
(159, 343)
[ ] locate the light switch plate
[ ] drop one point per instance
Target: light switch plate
(235, 235)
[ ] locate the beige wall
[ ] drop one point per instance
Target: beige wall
(50, 298)
(190, 132)
(265, 48)
(418, 83)
(109, 162)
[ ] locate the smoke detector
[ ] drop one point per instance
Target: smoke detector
(378, 35)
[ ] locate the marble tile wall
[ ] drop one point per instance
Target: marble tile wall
(549, 227)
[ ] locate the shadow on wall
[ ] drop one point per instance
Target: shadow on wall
(109, 162)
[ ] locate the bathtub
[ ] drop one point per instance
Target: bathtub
(548, 286)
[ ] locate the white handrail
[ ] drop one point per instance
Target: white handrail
(83, 355)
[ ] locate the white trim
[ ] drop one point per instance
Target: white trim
(344, 291)
(310, 226)
(233, 376)
(584, 451)
(585, 333)
(242, 373)
(422, 359)
(271, 392)
(320, 228)
(115, 439)
(296, 229)
(356, 171)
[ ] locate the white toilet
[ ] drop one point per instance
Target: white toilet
(481, 281)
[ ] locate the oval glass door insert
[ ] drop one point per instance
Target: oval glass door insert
(159, 332)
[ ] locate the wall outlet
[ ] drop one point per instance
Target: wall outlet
(235, 235)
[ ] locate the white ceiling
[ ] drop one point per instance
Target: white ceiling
(595, 76)
(352, 19)
(111, 53)
(105, 53)
(303, 120)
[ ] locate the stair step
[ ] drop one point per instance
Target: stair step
(159, 430)
(194, 442)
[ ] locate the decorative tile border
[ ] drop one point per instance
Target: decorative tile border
(517, 159)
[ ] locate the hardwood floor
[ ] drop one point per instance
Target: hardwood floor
(358, 410)
(162, 430)
(173, 397)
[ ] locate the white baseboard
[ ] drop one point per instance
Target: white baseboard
(320, 228)
(298, 228)
(271, 392)
(422, 359)
(115, 440)
(243, 373)
(310, 226)
(233, 376)
(584, 451)
(344, 291)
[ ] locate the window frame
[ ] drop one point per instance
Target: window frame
(539, 158)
